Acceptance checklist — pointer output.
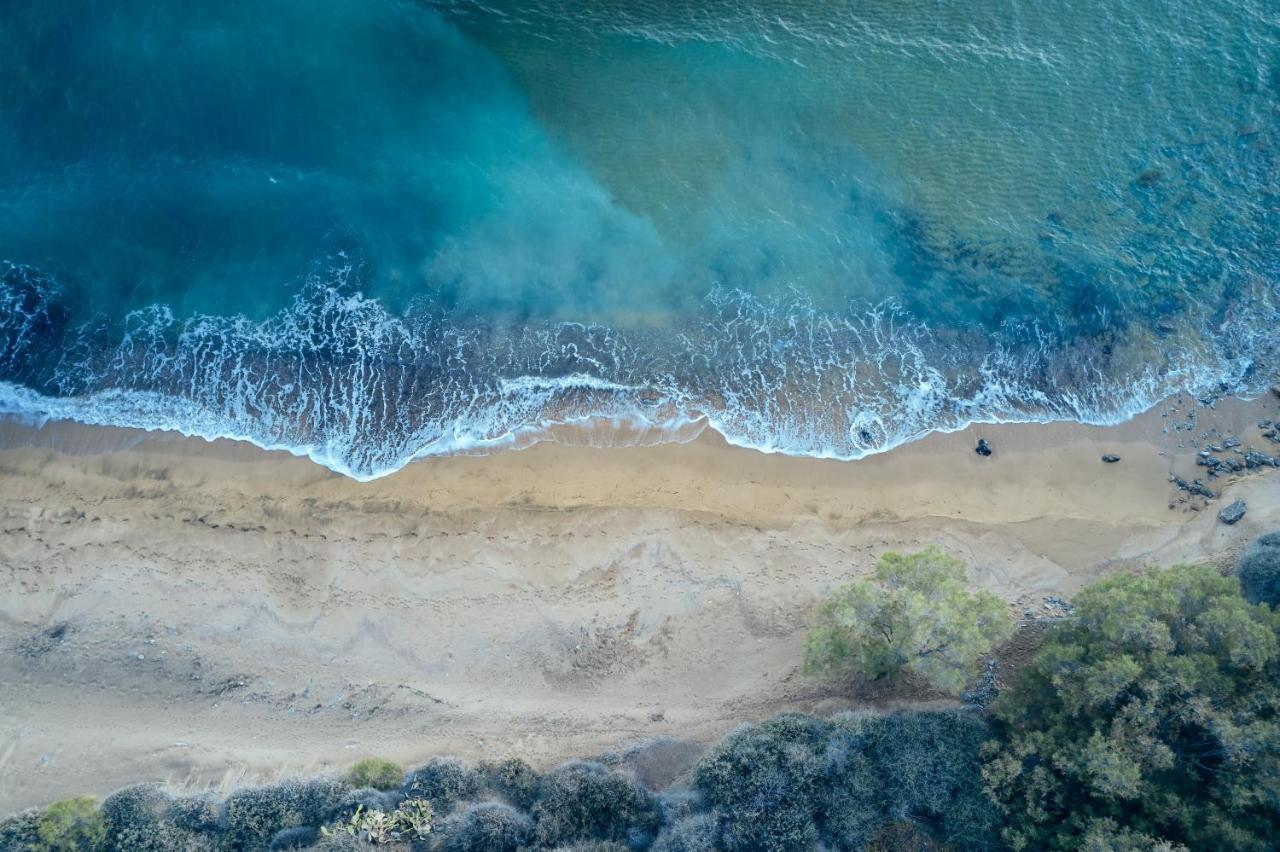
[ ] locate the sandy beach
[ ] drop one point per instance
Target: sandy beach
(206, 613)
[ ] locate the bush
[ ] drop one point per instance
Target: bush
(903, 837)
(927, 768)
(487, 827)
(699, 833)
(376, 773)
(199, 814)
(1105, 836)
(302, 837)
(1259, 570)
(144, 818)
(368, 798)
(676, 803)
(794, 782)
(513, 779)
(583, 801)
(763, 780)
(444, 781)
(71, 825)
(1153, 716)
(341, 842)
(917, 614)
(251, 817)
(18, 832)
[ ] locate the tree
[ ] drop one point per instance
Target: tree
(1259, 570)
(1150, 721)
(917, 614)
(71, 825)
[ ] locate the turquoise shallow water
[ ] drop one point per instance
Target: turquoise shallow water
(370, 230)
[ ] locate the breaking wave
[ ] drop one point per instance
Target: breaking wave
(338, 378)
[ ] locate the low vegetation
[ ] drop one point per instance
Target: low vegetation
(376, 773)
(1148, 722)
(916, 613)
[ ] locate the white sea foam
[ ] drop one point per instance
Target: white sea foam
(338, 379)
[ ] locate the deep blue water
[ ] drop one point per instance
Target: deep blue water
(371, 230)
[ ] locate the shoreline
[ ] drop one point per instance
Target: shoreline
(207, 612)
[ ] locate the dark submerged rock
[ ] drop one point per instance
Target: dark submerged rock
(1150, 177)
(1232, 513)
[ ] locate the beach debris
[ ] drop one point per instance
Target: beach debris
(1110, 459)
(1232, 513)
(983, 448)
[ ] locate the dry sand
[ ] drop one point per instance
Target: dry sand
(208, 613)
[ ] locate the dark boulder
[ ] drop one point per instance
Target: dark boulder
(1232, 513)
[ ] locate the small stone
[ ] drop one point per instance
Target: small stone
(1110, 459)
(983, 448)
(1232, 513)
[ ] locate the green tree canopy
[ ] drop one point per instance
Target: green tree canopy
(917, 613)
(1148, 722)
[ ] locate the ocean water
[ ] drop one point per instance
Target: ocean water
(370, 231)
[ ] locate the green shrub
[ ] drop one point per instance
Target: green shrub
(487, 827)
(376, 773)
(916, 614)
(1154, 714)
(1259, 570)
(18, 832)
(583, 801)
(444, 782)
(700, 833)
(71, 825)
(764, 779)
(251, 817)
(513, 779)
